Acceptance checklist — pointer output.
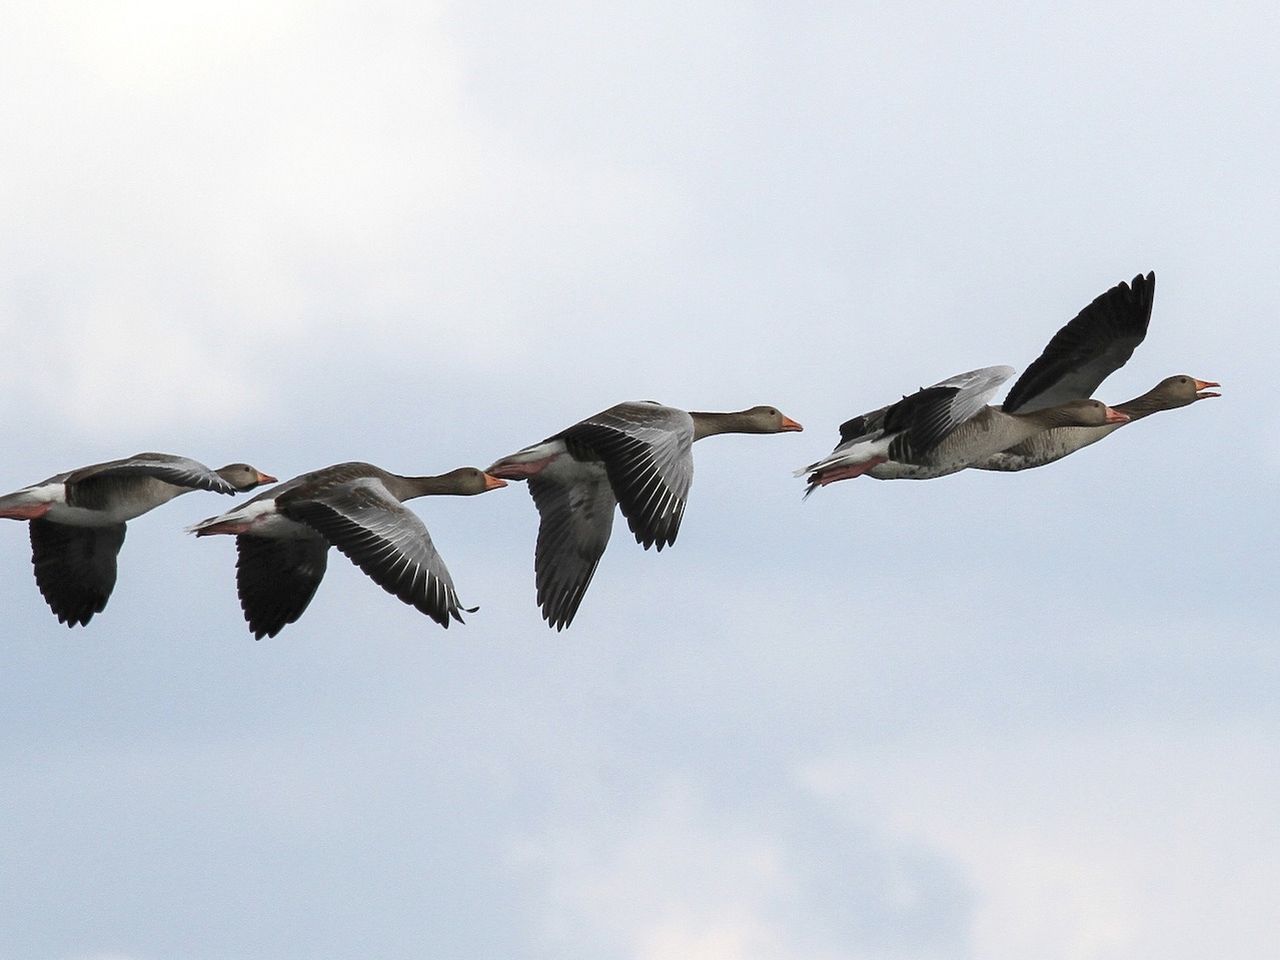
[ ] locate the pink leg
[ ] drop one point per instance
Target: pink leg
(32, 511)
(846, 473)
(520, 471)
(234, 527)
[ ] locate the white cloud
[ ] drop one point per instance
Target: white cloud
(197, 195)
(1087, 846)
(671, 882)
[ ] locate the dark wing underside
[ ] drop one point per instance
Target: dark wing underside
(276, 579)
(575, 506)
(1091, 347)
(75, 567)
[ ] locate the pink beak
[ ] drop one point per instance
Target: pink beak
(1204, 385)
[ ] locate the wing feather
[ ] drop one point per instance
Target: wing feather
(575, 505)
(1095, 344)
(276, 579)
(181, 471)
(646, 449)
(384, 539)
(75, 567)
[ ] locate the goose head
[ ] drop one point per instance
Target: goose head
(244, 477)
(1181, 390)
(761, 419)
(467, 482)
(1083, 413)
(765, 419)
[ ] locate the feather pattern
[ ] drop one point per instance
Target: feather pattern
(917, 426)
(646, 452)
(276, 577)
(384, 539)
(180, 471)
(575, 507)
(1092, 346)
(75, 567)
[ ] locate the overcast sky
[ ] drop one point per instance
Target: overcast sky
(990, 716)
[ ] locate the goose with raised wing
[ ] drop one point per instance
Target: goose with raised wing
(636, 456)
(283, 537)
(77, 520)
(942, 429)
(1087, 350)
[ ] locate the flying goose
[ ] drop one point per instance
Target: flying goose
(942, 429)
(636, 456)
(283, 537)
(1091, 347)
(78, 518)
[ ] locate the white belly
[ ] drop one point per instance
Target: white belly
(54, 495)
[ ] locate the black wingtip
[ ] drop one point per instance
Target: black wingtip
(68, 611)
(556, 619)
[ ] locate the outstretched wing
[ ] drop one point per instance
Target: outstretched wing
(385, 540)
(921, 421)
(181, 471)
(75, 567)
(1094, 345)
(276, 579)
(646, 451)
(575, 505)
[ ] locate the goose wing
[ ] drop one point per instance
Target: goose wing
(575, 507)
(1091, 347)
(276, 578)
(646, 449)
(919, 422)
(75, 567)
(384, 539)
(180, 471)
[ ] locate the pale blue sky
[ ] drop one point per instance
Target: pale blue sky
(989, 716)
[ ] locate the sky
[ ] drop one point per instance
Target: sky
(988, 716)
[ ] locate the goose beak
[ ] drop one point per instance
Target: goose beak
(790, 426)
(1115, 416)
(1202, 389)
(493, 483)
(266, 478)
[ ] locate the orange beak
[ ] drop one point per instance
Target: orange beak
(790, 426)
(266, 478)
(1203, 385)
(493, 483)
(1115, 416)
